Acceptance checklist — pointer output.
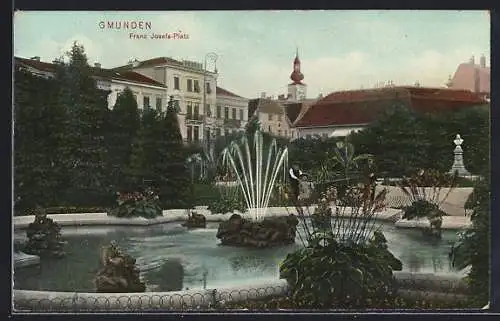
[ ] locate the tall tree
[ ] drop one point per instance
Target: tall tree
(87, 111)
(38, 136)
(122, 132)
(175, 183)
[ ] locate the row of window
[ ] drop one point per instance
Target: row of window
(192, 85)
(234, 113)
(146, 102)
(193, 133)
(271, 117)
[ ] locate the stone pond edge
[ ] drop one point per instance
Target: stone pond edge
(180, 215)
(412, 285)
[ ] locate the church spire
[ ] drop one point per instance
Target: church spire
(296, 75)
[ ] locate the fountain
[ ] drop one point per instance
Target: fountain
(257, 170)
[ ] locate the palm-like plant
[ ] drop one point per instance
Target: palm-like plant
(345, 157)
(205, 163)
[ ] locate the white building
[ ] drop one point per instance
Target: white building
(191, 86)
(147, 91)
(231, 113)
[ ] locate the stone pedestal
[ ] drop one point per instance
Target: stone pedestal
(458, 161)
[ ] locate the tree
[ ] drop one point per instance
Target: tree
(175, 188)
(123, 129)
(38, 137)
(87, 113)
(159, 157)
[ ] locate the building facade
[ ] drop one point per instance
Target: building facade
(193, 88)
(148, 92)
(341, 113)
(231, 114)
(272, 117)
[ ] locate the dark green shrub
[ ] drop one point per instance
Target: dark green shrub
(473, 246)
(329, 273)
(227, 205)
(205, 194)
(421, 209)
(137, 204)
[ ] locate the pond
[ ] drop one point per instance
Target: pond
(172, 258)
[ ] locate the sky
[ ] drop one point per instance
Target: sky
(339, 50)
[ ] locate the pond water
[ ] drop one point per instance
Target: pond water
(171, 257)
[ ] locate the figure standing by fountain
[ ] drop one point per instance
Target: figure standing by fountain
(295, 175)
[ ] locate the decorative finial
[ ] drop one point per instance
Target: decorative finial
(297, 51)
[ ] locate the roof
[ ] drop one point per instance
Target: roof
(465, 78)
(264, 105)
(98, 72)
(359, 107)
(224, 92)
(295, 110)
(152, 63)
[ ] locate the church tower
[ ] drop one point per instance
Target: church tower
(297, 89)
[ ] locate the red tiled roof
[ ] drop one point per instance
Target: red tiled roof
(98, 72)
(224, 92)
(365, 106)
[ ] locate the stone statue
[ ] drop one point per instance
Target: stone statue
(44, 236)
(119, 272)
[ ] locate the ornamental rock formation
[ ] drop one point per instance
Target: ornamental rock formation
(270, 232)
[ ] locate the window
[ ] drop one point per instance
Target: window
(176, 83)
(196, 86)
(158, 103)
(219, 111)
(269, 129)
(189, 109)
(208, 88)
(242, 117)
(189, 132)
(226, 112)
(279, 118)
(270, 117)
(234, 113)
(218, 132)
(196, 133)
(145, 101)
(190, 85)
(196, 110)
(279, 132)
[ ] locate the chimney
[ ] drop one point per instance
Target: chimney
(97, 65)
(262, 95)
(37, 58)
(482, 61)
(472, 60)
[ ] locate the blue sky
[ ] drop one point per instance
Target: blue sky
(339, 49)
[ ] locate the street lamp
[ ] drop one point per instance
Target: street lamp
(213, 57)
